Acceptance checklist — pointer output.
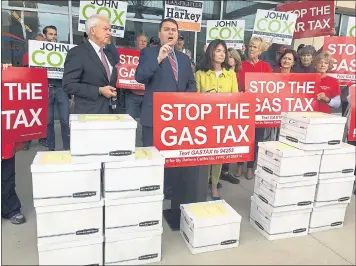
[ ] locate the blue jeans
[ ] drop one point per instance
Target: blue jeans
(133, 104)
(57, 96)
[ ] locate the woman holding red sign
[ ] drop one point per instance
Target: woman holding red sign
(329, 97)
(215, 75)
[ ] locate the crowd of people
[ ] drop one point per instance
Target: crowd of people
(165, 65)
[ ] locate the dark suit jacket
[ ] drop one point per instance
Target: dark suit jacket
(83, 74)
(160, 78)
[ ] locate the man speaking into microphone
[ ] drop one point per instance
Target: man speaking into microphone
(89, 71)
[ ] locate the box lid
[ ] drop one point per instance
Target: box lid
(145, 156)
(314, 118)
(71, 244)
(69, 207)
(59, 161)
(211, 213)
(129, 236)
(124, 201)
(284, 150)
(102, 121)
(344, 149)
(329, 206)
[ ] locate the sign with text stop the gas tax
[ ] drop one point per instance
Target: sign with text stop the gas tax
(204, 128)
(24, 98)
(126, 68)
(351, 27)
(115, 10)
(274, 26)
(50, 55)
(315, 18)
(277, 92)
(231, 31)
(343, 51)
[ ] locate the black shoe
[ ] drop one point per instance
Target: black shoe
(227, 176)
(218, 186)
(18, 219)
(43, 142)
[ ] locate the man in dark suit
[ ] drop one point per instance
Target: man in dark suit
(162, 69)
(89, 71)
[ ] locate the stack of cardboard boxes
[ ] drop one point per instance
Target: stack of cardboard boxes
(293, 192)
(69, 190)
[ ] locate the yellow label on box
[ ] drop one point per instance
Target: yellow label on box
(315, 115)
(208, 210)
(283, 146)
(143, 154)
(87, 118)
(55, 157)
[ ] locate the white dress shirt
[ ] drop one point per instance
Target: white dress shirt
(97, 50)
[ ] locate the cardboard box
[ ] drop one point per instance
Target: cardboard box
(56, 181)
(282, 195)
(312, 130)
(283, 163)
(133, 215)
(88, 252)
(137, 178)
(134, 249)
(209, 226)
(102, 138)
(279, 224)
(327, 217)
(338, 163)
(74, 222)
(335, 190)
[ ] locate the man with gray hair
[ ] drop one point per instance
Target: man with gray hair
(89, 71)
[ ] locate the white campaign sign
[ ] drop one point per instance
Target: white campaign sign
(231, 31)
(50, 55)
(274, 26)
(351, 27)
(115, 10)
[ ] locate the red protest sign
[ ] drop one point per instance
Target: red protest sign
(128, 62)
(24, 110)
(352, 126)
(315, 18)
(342, 50)
(200, 129)
(278, 92)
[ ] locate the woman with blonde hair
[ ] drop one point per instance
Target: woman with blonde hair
(329, 95)
(214, 69)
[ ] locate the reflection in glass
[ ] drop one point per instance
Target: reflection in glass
(44, 5)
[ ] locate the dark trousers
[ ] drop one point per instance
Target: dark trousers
(10, 203)
(259, 135)
(344, 107)
(225, 168)
(133, 104)
(57, 97)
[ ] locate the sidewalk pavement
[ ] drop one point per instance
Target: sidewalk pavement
(334, 247)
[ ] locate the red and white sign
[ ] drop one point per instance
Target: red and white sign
(24, 110)
(352, 126)
(315, 18)
(126, 68)
(277, 93)
(342, 50)
(200, 129)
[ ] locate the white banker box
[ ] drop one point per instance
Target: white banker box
(74, 222)
(327, 216)
(142, 176)
(285, 164)
(88, 252)
(134, 248)
(209, 226)
(133, 215)
(312, 130)
(56, 181)
(275, 224)
(338, 163)
(102, 138)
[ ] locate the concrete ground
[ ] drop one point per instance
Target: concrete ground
(334, 247)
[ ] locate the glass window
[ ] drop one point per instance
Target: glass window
(211, 10)
(244, 10)
(45, 6)
(337, 21)
(345, 23)
(19, 26)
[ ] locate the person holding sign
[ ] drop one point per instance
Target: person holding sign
(253, 64)
(330, 88)
(215, 75)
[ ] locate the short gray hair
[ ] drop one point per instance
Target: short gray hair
(93, 21)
